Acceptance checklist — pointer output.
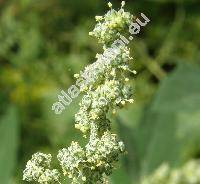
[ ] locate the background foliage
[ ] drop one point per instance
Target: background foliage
(43, 43)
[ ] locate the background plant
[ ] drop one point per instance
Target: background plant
(188, 173)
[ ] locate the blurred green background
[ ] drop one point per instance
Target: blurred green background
(44, 43)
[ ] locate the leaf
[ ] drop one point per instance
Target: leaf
(8, 145)
(127, 120)
(170, 128)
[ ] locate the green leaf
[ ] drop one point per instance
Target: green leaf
(127, 122)
(8, 145)
(170, 128)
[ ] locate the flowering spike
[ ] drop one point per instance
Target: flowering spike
(105, 89)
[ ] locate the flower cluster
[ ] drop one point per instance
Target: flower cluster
(72, 160)
(110, 24)
(37, 169)
(188, 174)
(105, 89)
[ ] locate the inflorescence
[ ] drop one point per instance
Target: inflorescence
(37, 169)
(106, 90)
